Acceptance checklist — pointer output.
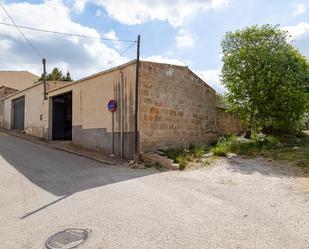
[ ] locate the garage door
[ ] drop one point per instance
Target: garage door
(18, 113)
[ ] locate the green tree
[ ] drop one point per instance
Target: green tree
(222, 100)
(68, 77)
(266, 78)
(56, 75)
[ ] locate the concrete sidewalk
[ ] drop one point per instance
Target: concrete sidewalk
(69, 147)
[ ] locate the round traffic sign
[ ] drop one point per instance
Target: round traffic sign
(112, 105)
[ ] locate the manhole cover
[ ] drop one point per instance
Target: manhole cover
(69, 238)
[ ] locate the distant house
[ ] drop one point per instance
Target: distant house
(13, 81)
(26, 108)
(17, 79)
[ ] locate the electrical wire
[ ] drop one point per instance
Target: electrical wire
(66, 34)
(133, 43)
(60, 33)
(121, 53)
(26, 39)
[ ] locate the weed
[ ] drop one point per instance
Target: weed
(197, 151)
(182, 160)
(183, 156)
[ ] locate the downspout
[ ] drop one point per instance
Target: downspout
(136, 149)
(121, 114)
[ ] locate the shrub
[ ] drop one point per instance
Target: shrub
(197, 151)
(182, 160)
(183, 156)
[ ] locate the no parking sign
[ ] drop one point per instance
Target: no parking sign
(112, 105)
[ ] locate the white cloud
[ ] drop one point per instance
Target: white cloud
(5, 44)
(132, 12)
(185, 40)
(162, 59)
(298, 30)
(112, 35)
(79, 55)
(212, 78)
(98, 13)
(299, 9)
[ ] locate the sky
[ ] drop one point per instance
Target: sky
(183, 32)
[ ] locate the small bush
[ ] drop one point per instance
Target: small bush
(220, 150)
(174, 153)
(182, 160)
(224, 146)
(197, 151)
(183, 156)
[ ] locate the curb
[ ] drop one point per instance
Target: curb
(45, 143)
(83, 155)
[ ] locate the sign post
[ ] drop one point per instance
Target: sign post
(112, 107)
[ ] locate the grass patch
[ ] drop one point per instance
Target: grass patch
(294, 149)
(183, 156)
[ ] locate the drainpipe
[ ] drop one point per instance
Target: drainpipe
(136, 152)
(44, 77)
(121, 114)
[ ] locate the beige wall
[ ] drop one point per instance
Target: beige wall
(34, 108)
(92, 122)
(228, 123)
(34, 99)
(90, 98)
(4, 91)
(176, 107)
(17, 79)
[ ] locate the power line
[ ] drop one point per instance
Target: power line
(121, 53)
(29, 43)
(127, 48)
(133, 42)
(66, 34)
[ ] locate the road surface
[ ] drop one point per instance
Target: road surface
(235, 203)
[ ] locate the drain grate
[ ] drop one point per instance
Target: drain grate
(67, 239)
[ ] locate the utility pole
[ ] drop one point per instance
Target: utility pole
(136, 152)
(44, 77)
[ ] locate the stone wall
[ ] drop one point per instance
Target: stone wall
(176, 108)
(228, 123)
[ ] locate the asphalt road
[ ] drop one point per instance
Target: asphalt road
(236, 203)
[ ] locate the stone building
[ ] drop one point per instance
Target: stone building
(174, 108)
